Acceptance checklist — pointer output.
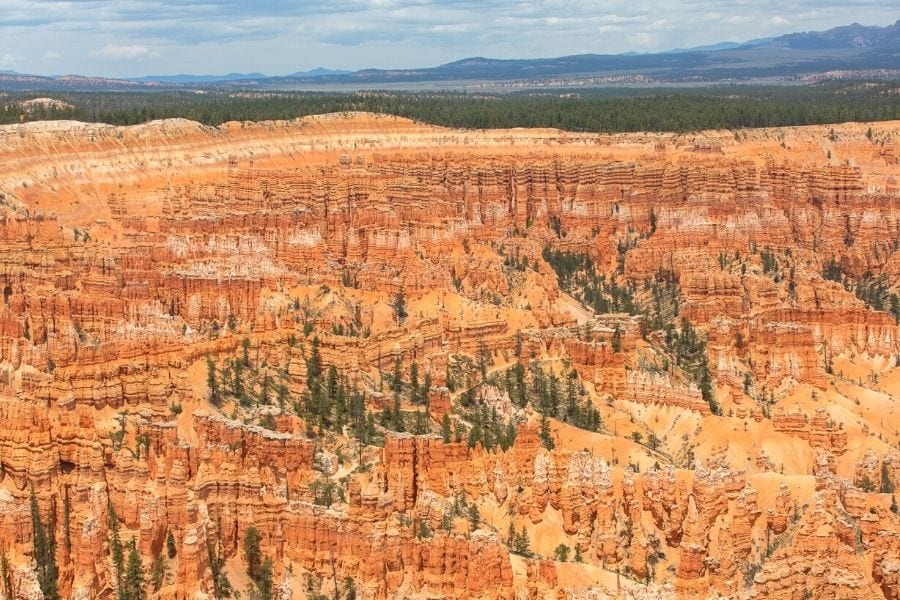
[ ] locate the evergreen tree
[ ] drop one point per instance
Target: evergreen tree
(245, 352)
(44, 541)
(520, 390)
(115, 545)
(561, 553)
(522, 543)
(866, 484)
(414, 383)
(133, 583)
(510, 437)
(887, 486)
(474, 517)
(281, 395)
(221, 586)
(424, 530)
(475, 435)
(314, 362)
(421, 425)
(331, 383)
(445, 428)
(425, 389)
(252, 553)
(399, 307)
(265, 580)
(158, 573)
(237, 381)
(212, 381)
(545, 435)
(170, 545)
(397, 415)
(265, 387)
(397, 376)
(617, 339)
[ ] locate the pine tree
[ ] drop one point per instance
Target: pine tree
(545, 435)
(425, 389)
(115, 545)
(561, 553)
(887, 486)
(158, 574)
(397, 415)
(245, 351)
(170, 545)
(221, 586)
(212, 381)
(400, 307)
(133, 583)
(445, 428)
(474, 517)
(522, 543)
(281, 395)
(237, 380)
(397, 377)
(421, 424)
(866, 484)
(331, 382)
(424, 530)
(475, 435)
(617, 339)
(314, 363)
(265, 580)
(706, 388)
(252, 554)
(520, 396)
(44, 541)
(264, 388)
(414, 383)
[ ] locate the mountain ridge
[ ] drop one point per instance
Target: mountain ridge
(850, 48)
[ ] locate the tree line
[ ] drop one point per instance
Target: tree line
(600, 110)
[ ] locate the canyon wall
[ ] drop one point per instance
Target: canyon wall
(130, 258)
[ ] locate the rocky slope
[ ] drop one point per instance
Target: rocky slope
(357, 336)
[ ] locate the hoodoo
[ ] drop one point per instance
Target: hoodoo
(358, 356)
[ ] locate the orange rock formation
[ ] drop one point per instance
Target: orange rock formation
(130, 257)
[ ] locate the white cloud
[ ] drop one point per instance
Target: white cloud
(8, 61)
(740, 19)
(135, 37)
(132, 52)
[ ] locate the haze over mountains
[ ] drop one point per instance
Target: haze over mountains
(181, 78)
(854, 51)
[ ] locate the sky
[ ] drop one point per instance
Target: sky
(125, 38)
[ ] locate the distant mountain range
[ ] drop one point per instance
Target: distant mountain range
(853, 50)
(188, 79)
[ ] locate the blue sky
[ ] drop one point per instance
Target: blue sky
(138, 37)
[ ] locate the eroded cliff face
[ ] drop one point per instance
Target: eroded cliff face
(175, 297)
